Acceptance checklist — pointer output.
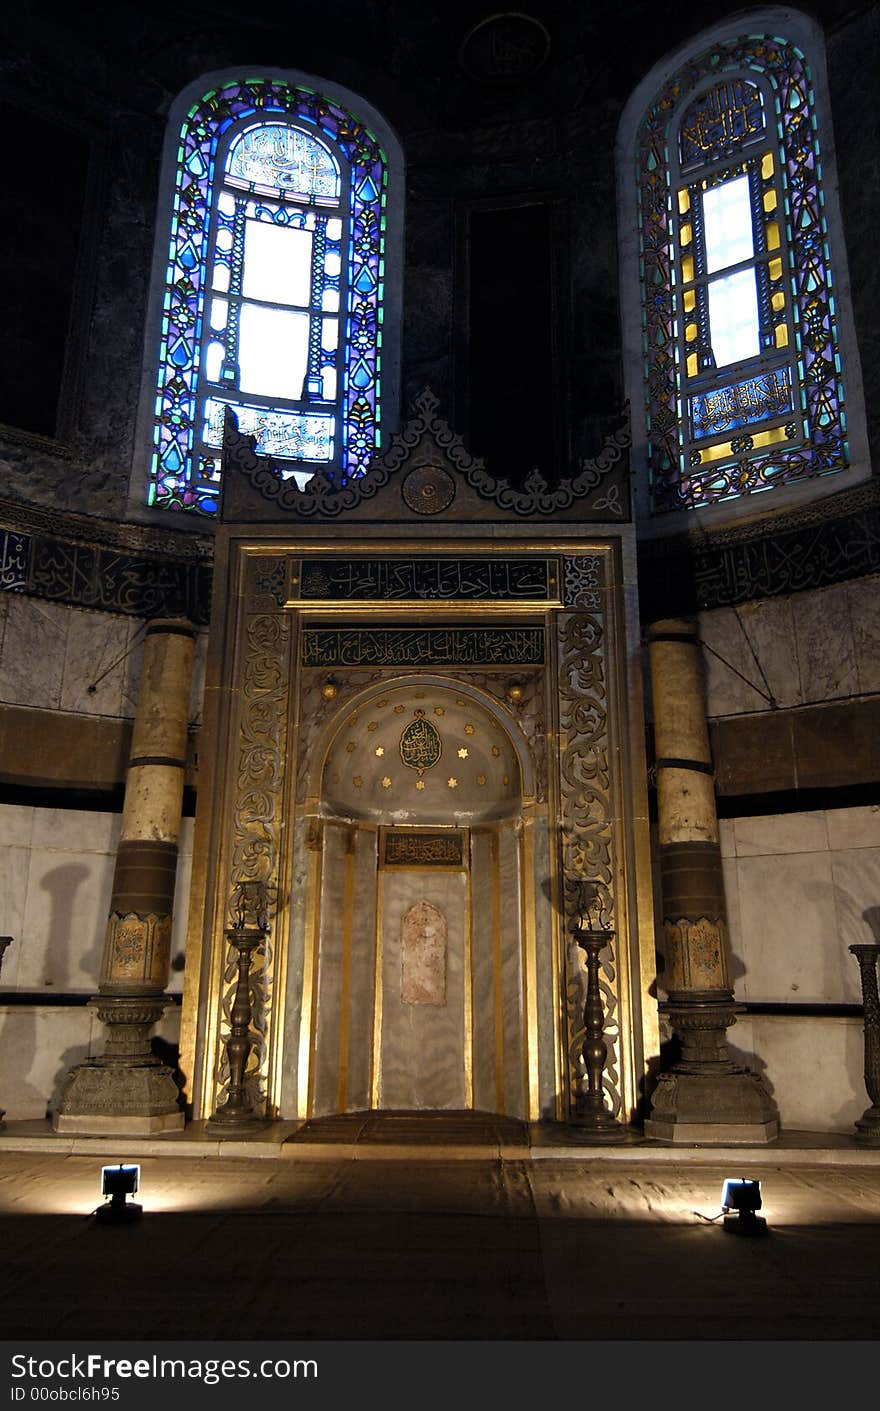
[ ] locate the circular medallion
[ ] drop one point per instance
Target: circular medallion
(505, 48)
(428, 490)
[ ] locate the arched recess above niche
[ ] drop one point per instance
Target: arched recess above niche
(422, 749)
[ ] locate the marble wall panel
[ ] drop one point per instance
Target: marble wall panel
(769, 626)
(16, 823)
(788, 928)
(75, 830)
(730, 874)
(32, 664)
(179, 920)
(780, 833)
(727, 660)
(856, 877)
(296, 951)
(548, 1086)
(94, 657)
(325, 1076)
(853, 828)
(38, 1046)
(68, 901)
(825, 646)
(482, 870)
(422, 1062)
(513, 1027)
(132, 666)
(15, 865)
(726, 837)
(812, 1065)
(864, 603)
(197, 689)
(362, 973)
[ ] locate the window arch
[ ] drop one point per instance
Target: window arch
(276, 285)
(745, 375)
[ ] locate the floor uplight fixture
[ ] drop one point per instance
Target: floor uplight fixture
(739, 1201)
(118, 1183)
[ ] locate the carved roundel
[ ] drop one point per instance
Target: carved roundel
(428, 489)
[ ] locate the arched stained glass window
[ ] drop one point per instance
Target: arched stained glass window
(274, 293)
(741, 367)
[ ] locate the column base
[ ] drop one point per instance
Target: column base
(712, 1108)
(868, 1127)
(104, 1099)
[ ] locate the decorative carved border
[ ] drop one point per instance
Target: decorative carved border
(586, 826)
(257, 819)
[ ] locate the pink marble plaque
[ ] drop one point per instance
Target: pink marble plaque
(423, 955)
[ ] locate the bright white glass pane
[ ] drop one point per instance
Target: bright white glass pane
(332, 265)
(273, 349)
(221, 278)
(330, 301)
(277, 263)
(733, 317)
(226, 203)
(213, 361)
(219, 310)
(727, 218)
(330, 384)
(334, 230)
(330, 334)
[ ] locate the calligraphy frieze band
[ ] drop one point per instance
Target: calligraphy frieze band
(426, 579)
(419, 849)
(436, 646)
(90, 576)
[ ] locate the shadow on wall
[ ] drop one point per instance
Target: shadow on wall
(62, 884)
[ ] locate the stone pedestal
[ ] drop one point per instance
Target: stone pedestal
(127, 1089)
(706, 1097)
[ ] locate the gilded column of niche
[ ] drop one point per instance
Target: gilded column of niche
(705, 1095)
(585, 776)
(258, 804)
(128, 1089)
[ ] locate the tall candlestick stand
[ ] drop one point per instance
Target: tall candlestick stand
(591, 1121)
(868, 1125)
(238, 1112)
(5, 943)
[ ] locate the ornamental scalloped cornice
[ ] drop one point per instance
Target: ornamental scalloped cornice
(322, 499)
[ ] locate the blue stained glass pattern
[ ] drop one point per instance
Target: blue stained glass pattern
(284, 159)
(742, 404)
(184, 475)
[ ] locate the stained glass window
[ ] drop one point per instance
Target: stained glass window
(740, 329)
(273, 299)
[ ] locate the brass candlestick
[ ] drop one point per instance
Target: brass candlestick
(237, 1113)
(591, 1120)
(868, 1125)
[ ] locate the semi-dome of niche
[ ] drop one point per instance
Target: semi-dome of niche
(412, 754)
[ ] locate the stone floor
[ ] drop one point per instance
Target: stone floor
(320, 1241)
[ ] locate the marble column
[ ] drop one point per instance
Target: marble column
(706, 1096)
(128, 1089)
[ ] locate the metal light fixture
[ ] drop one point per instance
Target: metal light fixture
(740, 1199)
(119, 1182)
